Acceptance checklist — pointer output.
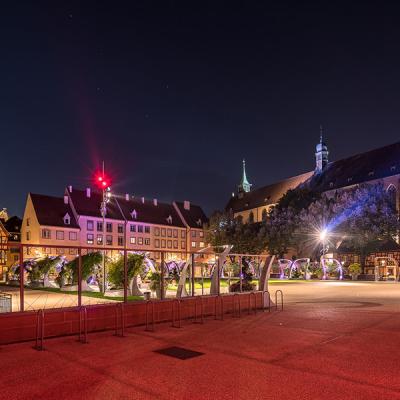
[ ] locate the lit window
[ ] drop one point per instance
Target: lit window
(201, 244)
(72, 251)
(99, 240)
(60, 235)
(90, 238)
(133, 240)
(73, 236)
(193, 244)
(46, 233)
(140, 240)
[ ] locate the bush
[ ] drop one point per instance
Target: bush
(247, 286)
(134, 264)
(355, 269)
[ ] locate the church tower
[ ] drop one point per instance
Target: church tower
(244, 186)
(321, 154)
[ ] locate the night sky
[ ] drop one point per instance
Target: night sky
(173, 95)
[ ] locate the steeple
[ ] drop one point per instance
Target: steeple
(244, 186)
(321, 153)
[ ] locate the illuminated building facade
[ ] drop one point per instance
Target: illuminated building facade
(130, 223)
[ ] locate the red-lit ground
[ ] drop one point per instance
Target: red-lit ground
(333, 341)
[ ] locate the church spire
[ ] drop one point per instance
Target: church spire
(321, 153)
(244, 186)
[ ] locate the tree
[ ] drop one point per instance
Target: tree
(135, 267)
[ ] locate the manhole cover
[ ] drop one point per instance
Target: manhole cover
(179, 352)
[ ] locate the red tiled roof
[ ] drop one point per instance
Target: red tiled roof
(51, 210)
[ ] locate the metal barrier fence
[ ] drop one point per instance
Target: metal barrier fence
(5, 302)
(60, 290)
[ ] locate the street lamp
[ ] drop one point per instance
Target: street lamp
(103, 183)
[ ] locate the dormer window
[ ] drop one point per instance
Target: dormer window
(331, 184)
(393, 168)
(67, 219)
(371, 173)
(349, 179)
(134, 214)
(169, 219)
(199, 222)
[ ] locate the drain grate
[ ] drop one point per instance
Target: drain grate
(179, 352)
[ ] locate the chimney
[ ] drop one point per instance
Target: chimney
(70, 188)
(88, 193)
(155, 202)
(65, 199)
(143, 200)
(186, 205)
(127, 197)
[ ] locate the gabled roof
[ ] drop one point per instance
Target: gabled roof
(148, 212)
(374, 164)
(192, 216)
(90, 206)
(266, 195)
(51, 210)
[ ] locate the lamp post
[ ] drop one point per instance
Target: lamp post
(103, 183)
(322, 237)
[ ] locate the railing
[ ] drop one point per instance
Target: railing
(39, 345)
(219, 299)
(266, 292)
(149, 303)
(198, 300)
(252, 295)
(120, 328)
(83, 325)
(276, 299)
(176, 302)
(236, 300)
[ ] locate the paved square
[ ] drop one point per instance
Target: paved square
(334, 340)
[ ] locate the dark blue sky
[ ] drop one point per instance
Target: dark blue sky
(174, 95)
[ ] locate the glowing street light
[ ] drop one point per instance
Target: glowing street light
(323, 235)
(103, 183)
